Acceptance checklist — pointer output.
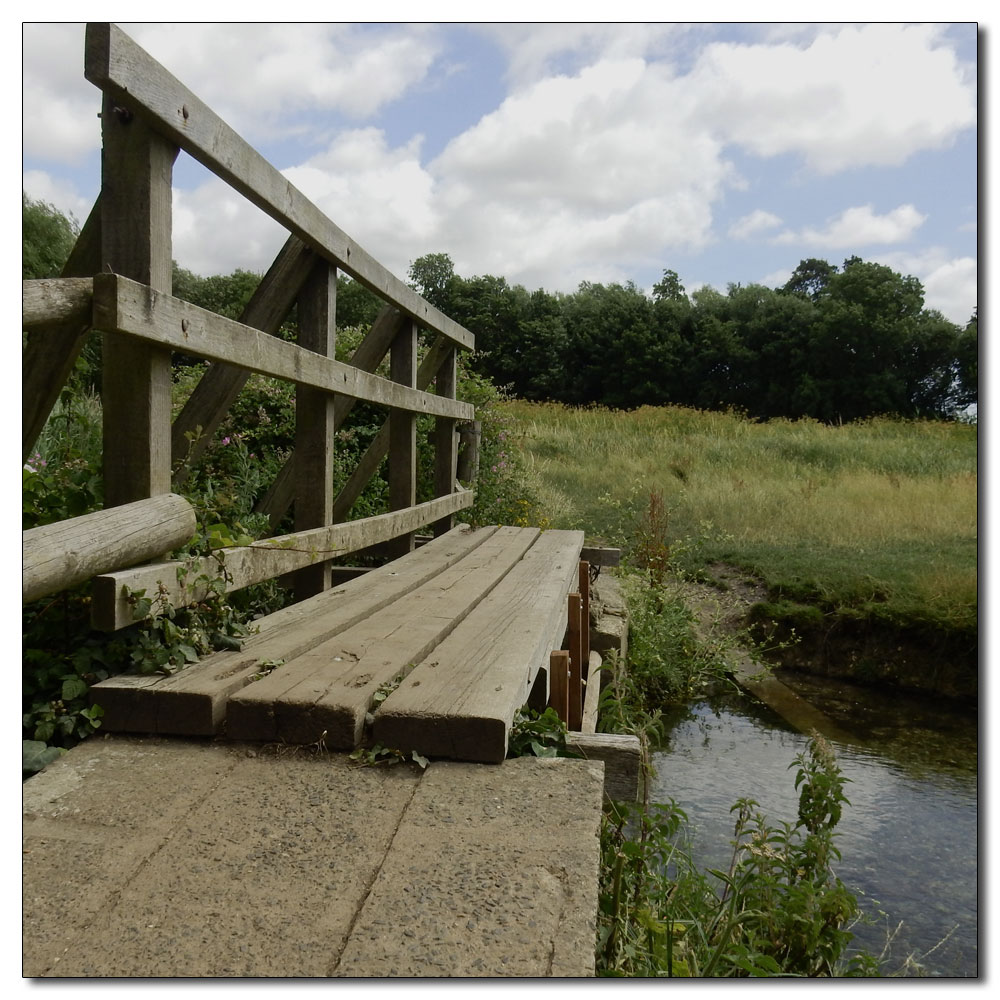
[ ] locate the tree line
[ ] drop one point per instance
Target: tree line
(833, 343)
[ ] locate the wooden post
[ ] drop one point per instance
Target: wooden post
(559, 683)
(136, 177)
(403, 434)
(585, 619)
(314, 424)
(445, 441)
(575, 720)
(469, 435)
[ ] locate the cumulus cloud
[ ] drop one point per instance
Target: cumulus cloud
(854, 96)
(538, 51)
(571, 170)
(212, 224)
(381, 196)
(59, 107)
(286, 70)
(758, 221)
(40, 186)
(860, 226)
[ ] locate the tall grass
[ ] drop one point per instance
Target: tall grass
(880, 511)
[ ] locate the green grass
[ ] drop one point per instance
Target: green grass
(877, 517)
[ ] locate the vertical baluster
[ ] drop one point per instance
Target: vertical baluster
(314, 423)
(403, 434)
(445, 441)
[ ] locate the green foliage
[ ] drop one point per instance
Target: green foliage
(666, 665)
(537, 734)
(380, 756)
(35, 755)
(779, 910)
(170, 638)
(47, 239)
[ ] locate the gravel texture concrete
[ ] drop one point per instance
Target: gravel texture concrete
(177, 858)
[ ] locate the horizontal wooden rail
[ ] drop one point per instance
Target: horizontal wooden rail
(263, 560)
(61, 555)
(141, 85)
(125, 306)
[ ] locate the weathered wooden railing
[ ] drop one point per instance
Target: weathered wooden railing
(118, 281)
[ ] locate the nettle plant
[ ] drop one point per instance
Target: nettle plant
(778, 910)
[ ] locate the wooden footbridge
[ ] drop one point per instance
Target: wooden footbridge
(434, 651)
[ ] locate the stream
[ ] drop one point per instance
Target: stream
(909, 838)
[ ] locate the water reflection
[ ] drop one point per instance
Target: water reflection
(909, 837)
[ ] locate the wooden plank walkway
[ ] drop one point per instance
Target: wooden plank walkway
(433, 652)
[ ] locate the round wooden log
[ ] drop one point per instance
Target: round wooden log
(61, 555)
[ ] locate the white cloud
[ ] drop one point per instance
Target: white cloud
(758, 221)
(217, 231)
(860, 226)
(535, 51)
(854, 96)
(59, 107)
(572, 172)
(382, 197)
(285, 70)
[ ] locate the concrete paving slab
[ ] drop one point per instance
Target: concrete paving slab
(182, 858)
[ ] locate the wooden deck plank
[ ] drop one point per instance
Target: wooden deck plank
(193, 702)
(326, 692)
(460, 703)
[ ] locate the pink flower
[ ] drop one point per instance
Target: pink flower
(225, 440)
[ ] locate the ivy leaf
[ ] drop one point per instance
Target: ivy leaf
(73, 687)
(188, 652)
(35, 755)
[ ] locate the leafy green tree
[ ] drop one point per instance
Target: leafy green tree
(356, 305)
(669, 287)
(47, 238)
(226, 294)
(810, 278)
(432, 275)
(612, 350)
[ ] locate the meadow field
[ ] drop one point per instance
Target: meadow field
(874, 519)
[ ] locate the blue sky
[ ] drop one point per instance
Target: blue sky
(555, 153)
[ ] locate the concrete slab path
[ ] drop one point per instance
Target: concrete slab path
(181, 858)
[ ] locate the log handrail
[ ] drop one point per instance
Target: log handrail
(61, 555)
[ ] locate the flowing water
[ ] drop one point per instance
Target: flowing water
(909, 837)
